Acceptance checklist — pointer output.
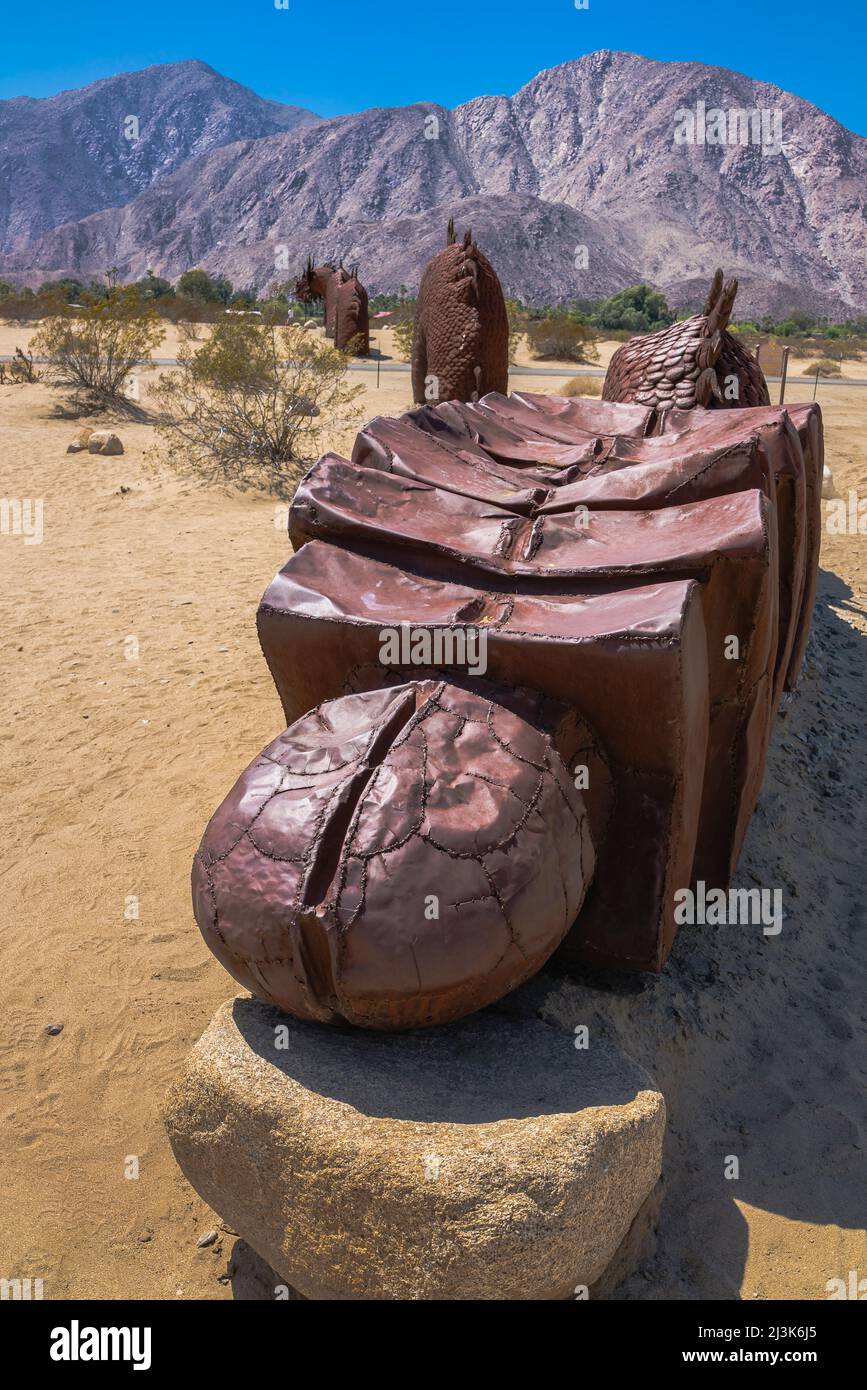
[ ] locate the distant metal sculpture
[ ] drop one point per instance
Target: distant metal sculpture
(694, 362)
(347, 317)
(460, 346)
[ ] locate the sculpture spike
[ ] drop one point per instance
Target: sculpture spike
(720, 311)
(713, 292)
(727, 302)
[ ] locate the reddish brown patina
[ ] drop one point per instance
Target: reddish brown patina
(397, 858)
(694, 362)
(643, 577)
(460, 347)
(347, 316)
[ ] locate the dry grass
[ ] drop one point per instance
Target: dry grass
(582, 386)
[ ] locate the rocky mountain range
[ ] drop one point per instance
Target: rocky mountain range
(64, 157)
(575, 186)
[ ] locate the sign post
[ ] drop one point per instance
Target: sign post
(383, 314)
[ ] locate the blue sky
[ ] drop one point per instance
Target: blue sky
(335, 56)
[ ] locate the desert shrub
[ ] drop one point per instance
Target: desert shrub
(94, 349)
(280, 301)
(853, 328)
(562, 337)
(403, 327)
(247, 404)
(582, 386)
(275, 309)
(189, 331)
(178, 307)
(825, 366)
(820, 348)
(517, 326)
(853, 348)
(20, 371)
(22, 307)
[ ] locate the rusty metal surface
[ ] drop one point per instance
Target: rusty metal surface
(396, 858)
(693, 362)
(609, 553)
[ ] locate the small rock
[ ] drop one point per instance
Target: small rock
(207, 1239)
(53, 1029)
(104, 442)
(81, 441)
(828, 488)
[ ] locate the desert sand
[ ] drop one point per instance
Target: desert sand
(134, 693)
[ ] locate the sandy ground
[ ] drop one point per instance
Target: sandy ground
(133, 694)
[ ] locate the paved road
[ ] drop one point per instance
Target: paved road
(519, 371)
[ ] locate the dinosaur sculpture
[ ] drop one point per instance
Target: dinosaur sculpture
(347, 318)
(318, 283)
(423, 837)
(695, 362)
(460, 346)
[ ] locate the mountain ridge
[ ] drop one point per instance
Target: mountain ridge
(583, 149)
(68, 153)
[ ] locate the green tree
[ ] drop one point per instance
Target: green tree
(638, 309)
(98, 290)
(244, 299)
(198, 284)
(154, 286)
(222, 289)
(68, 289)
